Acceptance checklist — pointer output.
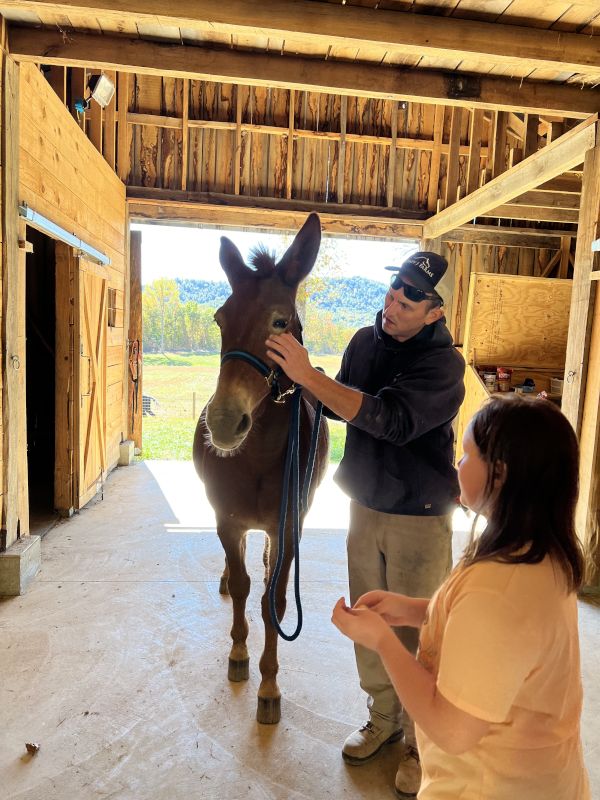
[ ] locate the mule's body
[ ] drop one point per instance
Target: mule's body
(241, 440)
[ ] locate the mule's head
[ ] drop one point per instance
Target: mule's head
(262, 302)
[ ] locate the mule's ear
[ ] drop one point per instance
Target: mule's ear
(232, 261)
(300, 257)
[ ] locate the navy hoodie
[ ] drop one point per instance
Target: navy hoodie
(400, 446)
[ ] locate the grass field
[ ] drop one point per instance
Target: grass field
(181, 385)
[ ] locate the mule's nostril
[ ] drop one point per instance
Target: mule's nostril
(244, 425)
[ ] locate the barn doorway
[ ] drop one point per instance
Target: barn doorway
(40, 326)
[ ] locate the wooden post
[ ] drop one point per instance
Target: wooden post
(391, 177)
(499, 141)
(185, 133)
(436, 156)
(289, 169)
(452, 171)
(78, 87)
(109, 144)
(134, 430)
(123, 148)
(581, 298)
(476, 131)
(95, 131)
(342, 149)
(15, 505)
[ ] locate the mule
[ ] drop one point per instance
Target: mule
(241, 439)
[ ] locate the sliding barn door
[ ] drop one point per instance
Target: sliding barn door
(90, 379)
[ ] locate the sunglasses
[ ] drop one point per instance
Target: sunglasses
(412, 293)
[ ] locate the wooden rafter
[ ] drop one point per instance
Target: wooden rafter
(321, 23)
(559, 156)
(332, 77)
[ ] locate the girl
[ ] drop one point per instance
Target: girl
(495, 690)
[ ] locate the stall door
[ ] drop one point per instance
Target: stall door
(90, 425)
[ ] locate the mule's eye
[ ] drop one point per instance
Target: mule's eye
(280, 323)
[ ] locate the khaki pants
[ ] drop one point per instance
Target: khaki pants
(410, 555)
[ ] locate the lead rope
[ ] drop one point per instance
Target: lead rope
(291, 472)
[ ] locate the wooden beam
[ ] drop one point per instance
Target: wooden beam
(258, 212)
(401, 142)
(505, 236)
(553, 160)
(546, 199)
(321, 25)
(534, 213)
(582, 295)
(304, 74)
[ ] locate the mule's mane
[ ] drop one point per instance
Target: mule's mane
(263, 260)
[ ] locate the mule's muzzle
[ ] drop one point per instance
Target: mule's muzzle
(228, 427)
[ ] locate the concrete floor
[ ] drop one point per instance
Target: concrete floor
(115, 662)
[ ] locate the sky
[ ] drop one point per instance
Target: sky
(178, 252)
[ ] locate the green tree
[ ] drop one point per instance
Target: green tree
(160, 302)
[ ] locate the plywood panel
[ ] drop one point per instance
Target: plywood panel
(517, 320)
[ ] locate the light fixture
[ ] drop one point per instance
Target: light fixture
(100, 88)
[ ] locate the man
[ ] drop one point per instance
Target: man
(399, 388)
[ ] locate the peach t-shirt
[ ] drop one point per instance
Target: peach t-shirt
(502, 642)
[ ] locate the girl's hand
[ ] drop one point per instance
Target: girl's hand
(395, 609)
(361, 625)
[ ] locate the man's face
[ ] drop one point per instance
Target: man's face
(404, 318)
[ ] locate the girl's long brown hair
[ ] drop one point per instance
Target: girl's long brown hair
(532, 514)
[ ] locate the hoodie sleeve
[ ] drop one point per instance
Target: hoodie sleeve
(342, 377)
(416, 402)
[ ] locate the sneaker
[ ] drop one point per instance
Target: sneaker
(408, 776)
(364, 744)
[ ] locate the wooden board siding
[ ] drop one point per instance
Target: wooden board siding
(64, 178)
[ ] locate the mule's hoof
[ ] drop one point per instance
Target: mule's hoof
(268, 711)
(238, 670)
(223, 586)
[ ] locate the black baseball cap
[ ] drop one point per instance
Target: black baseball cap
(424, 269)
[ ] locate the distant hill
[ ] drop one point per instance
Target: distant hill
(352, 301)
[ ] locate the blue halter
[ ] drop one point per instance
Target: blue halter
(291, 472)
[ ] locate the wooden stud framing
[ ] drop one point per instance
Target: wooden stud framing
(436, 155)
(289, 165)
(110, 125)
(342, 149)
(558, 157)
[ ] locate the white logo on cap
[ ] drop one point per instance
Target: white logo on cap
(423, 263)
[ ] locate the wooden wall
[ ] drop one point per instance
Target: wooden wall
(63, 177)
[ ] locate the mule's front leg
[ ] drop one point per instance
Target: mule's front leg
(269, 697)
(233, 540)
